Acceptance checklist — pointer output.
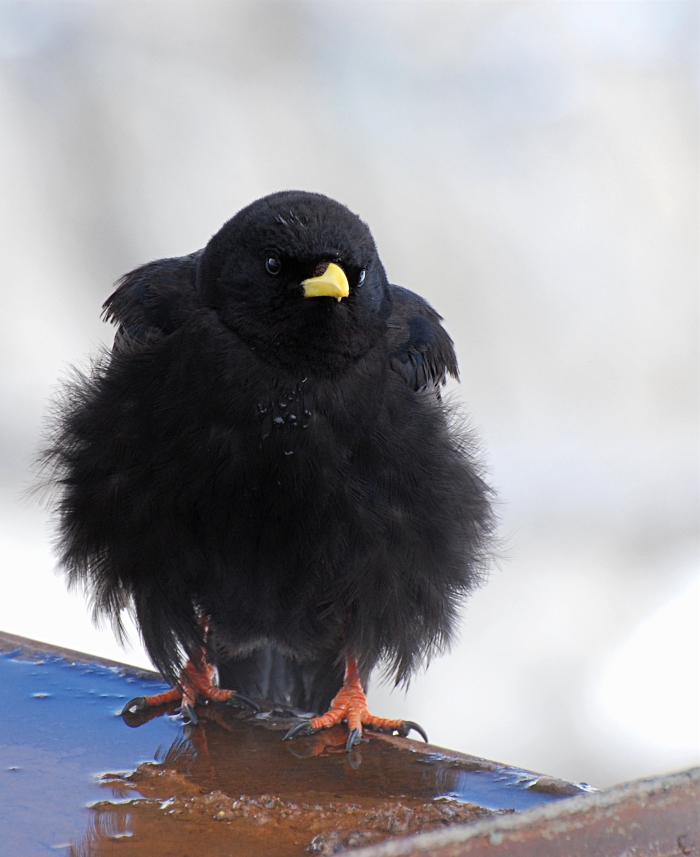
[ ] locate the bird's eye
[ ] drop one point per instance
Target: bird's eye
(273, 265)
(361, 279)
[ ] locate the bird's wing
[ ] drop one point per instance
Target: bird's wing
(420, 349)
(153, 300)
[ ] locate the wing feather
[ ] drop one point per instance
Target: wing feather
(153, 300)
(420, 349)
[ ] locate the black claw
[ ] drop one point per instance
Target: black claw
(237, 700)
(408, 725)
(188, 713)
(300, 730)
(354, 738)
(138, 703)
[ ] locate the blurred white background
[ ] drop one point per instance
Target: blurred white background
(531, 169)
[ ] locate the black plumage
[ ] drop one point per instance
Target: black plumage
(277, 462)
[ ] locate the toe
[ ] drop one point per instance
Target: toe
(409, 725)
(300, 730)
(188, 713)
(138, 703)
(238, 700)
(354, 738)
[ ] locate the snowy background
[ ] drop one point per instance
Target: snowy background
(531, 169)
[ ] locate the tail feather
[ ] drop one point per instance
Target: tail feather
(269, 674)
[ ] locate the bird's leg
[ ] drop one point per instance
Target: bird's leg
(350, 705)
(198, 680)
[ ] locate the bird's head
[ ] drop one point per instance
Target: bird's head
(297, 276)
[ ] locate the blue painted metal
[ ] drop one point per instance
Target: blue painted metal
(60, 729)
(504, 788)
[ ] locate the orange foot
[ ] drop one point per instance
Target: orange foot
(197, 680)
(350, 705)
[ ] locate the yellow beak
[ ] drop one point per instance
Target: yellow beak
(331, 284)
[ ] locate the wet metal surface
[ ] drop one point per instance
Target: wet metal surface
(657, 817)
(60, 730)
(75, 779)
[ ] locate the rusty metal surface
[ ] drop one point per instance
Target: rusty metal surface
(658, 817)
(232, 787)
(75, 779)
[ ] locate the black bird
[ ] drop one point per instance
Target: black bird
(263, 469)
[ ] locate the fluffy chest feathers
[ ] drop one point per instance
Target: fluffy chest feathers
(273, 441)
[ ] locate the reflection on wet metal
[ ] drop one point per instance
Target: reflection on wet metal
(60, 731)
(76, 780)
(504, 789)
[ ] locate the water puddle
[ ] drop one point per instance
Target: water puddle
(60, 731)
(76, 780)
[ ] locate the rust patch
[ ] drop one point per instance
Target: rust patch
(650, 818)
(163, 812)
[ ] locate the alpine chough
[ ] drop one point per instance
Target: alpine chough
(264, 472)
